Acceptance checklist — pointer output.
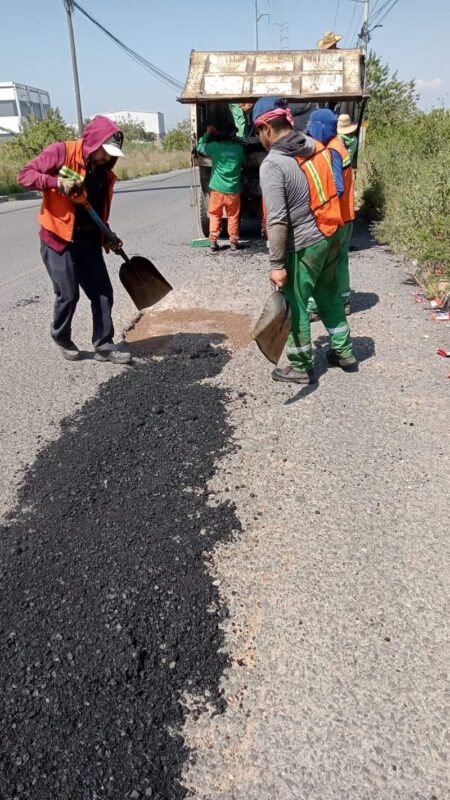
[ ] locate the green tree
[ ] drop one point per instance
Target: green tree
(179, 138)
(37, 134)
(393, 101)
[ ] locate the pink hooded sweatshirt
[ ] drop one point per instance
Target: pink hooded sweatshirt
(42, 172)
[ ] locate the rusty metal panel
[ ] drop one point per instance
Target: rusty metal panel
(322, 84)
(298, 74)
(223, 85)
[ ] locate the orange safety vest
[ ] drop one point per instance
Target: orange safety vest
(347, 200)
(323, 197)
(57, 213)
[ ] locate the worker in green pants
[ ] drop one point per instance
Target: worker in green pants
(312, 271)
(323, 126)
(343, 272)
(303, 221)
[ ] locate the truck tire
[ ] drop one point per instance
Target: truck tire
(204, 219)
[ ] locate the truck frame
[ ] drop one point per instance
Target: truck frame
(316, 78)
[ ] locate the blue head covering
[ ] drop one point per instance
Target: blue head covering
(265, 104)
(322, 125)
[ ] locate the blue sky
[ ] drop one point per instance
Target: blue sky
(34, 44)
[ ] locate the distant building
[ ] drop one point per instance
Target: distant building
(152, 121)
(19, 102)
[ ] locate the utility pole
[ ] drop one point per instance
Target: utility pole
(68, 5)
(258, 17)
(365, 33)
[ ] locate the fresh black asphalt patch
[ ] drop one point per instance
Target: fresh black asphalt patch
(107, 606)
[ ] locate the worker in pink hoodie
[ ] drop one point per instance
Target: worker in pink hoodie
(71, 245)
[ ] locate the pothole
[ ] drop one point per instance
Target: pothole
(170, 331)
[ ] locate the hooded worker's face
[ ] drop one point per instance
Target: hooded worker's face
(99, 157)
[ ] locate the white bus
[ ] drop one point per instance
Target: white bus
(19, 102)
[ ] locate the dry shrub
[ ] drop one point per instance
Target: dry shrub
(146, 159)
(143, 159)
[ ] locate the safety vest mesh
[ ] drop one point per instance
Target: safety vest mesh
(347, 201)
(57, 213)
(323, 198)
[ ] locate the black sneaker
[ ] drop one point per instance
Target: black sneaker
(290, 375)
(70, 351)
(114, 355)
(348, 364)
(214, 247)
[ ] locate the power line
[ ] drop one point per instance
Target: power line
(336, 15)
(346, 39)
(354, 37)
(376, 5)
(388, 11)
(164, 77)
(378, 9)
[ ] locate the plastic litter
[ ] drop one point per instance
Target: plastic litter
(440, 315)
(418, 297)
(444, 353)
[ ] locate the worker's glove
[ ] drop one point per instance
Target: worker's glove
(68, 186)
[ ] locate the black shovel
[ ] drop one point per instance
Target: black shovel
(142, 280)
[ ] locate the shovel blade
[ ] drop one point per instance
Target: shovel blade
(143, 282)
(273, 327)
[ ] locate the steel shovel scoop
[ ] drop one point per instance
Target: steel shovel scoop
(141, 279)
(273, 327)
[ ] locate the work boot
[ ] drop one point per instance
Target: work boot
(348, 363)
(114, 355)
(214, 247)
(290, 375)
(234, 246)
(70, 351)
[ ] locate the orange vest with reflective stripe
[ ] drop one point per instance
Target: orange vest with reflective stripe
(57, 213)
(347, 201)
(323, 198)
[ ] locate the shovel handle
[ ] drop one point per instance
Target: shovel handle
(123, 254)
(108, 234)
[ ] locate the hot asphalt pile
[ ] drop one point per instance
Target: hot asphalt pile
(109, 615)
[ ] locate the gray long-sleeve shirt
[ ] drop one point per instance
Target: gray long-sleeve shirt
(286, 194)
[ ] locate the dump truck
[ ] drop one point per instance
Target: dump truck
(308, 79)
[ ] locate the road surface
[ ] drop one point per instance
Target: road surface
(214, 586)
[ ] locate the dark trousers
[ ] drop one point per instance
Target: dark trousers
(80, 264)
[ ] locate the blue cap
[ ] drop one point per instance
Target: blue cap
(265, 104)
